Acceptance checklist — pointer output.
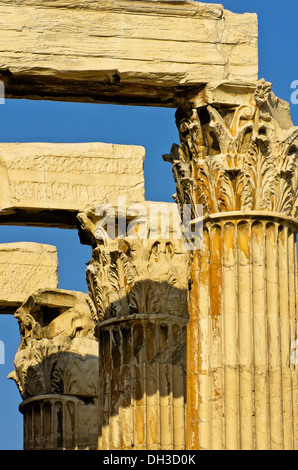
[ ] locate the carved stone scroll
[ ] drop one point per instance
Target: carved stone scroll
(56, 371)
(241, 162)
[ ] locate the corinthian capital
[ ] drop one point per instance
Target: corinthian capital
(58, 353)
(237, 156)
(135, 271)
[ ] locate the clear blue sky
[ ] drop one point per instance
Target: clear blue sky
(41, 121)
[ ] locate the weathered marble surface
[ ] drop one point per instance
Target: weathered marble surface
(25, 267)
(132, 52)
(47, 183)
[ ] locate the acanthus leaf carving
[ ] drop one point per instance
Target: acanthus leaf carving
(137, 277)
(236, 158)
(57, 343)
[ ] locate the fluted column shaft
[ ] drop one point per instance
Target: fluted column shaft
(142, 383)
(242, 384)
(60, 422)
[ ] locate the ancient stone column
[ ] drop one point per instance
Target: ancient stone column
(56, 371)
(240, 160)
(138, 286)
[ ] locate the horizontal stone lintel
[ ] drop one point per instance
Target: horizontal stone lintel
(46, 184)
(122, 52)
(24, 268)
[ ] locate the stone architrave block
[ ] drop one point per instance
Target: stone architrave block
(47, 184)
(25, 267)
(124, 52)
